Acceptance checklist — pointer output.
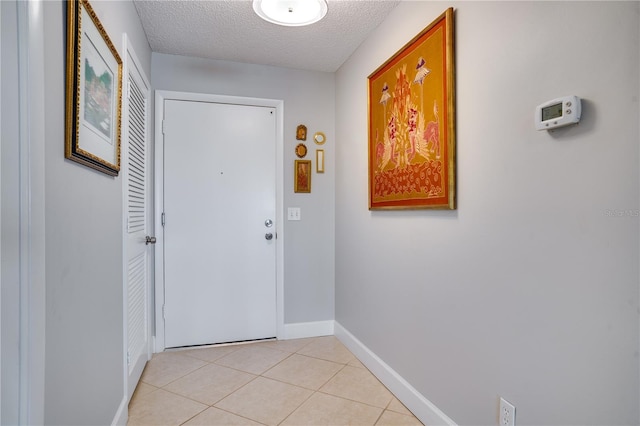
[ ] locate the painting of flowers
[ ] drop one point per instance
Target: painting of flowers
(93, 93)
(98, 88)
(412, 123)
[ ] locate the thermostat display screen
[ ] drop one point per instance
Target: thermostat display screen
(552, 111)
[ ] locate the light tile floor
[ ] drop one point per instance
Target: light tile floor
(299, 382)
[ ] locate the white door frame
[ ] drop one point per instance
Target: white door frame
(160, 97)
(28, 180)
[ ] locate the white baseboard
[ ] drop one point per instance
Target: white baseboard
(122, 415)
(308, 329)
(420, 406)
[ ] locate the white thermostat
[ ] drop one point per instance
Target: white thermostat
(558, 113)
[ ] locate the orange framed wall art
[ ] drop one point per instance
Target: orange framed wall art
(412, 123)
(302, 176)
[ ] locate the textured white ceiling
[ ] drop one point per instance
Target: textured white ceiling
(230, 30)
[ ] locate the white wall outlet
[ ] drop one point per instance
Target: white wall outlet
(293, 213)
(507, 415)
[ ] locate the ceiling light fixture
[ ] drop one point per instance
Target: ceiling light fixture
(291, 13)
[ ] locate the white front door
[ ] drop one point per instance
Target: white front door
(136, 181)
(220, 212)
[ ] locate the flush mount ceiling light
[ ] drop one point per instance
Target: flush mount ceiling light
(291, 13)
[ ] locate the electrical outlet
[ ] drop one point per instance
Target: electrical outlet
(507, 415)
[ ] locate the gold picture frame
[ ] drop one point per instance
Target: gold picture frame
(412, 139)
(319, 138)
(301, 132)
(302, 176)
(94, 92)
(319, 160)
(301, 150)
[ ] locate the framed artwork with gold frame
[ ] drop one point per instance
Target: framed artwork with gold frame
(301, 132)
(94, 92)
(302, 176)
(301, 150)
(319, 160)
(412, 123)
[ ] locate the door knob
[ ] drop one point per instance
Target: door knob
(150, 240)
(268, 236)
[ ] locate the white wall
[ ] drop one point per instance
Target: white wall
(308, 99)
(529, 290)
(84, 300)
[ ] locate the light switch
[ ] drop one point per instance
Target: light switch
(293, 213)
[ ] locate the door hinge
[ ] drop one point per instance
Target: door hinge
(128, 358)
(163, 316)
(164, 126)
(162, 219)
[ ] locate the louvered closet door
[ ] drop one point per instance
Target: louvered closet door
(135, 157)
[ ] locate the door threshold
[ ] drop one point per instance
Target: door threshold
(218, 345)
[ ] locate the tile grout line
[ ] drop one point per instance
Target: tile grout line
(379, 417)
(195, 415)
(296, 409)
(302, 403)
(313, 391)
(226, 411)
(352, 400)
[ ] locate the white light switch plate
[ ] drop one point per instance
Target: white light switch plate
(293, 213)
